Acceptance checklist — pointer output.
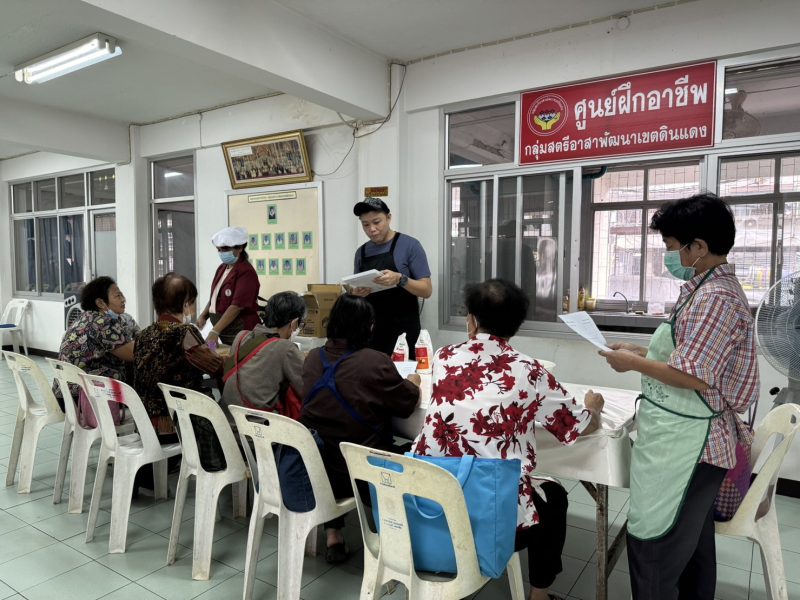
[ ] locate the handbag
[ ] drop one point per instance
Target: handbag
(737, 481)
(491, 488)
(86, 416)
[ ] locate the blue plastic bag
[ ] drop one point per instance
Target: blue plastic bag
(491, 488)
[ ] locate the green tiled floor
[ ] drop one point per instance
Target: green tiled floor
(43, 553)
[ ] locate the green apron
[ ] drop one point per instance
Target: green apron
(672, 434)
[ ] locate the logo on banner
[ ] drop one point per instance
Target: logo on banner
(548, 114)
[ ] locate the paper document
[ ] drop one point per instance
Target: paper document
(406, 367)
(582, 324)
(206, 329)
(365, 280)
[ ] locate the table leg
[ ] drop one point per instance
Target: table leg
(601, 580)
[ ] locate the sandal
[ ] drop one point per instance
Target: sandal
(336, 554)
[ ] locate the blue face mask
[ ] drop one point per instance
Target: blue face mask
(227, 257)
(112, 315)
(672, 261)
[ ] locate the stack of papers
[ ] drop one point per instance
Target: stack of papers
(365, 280)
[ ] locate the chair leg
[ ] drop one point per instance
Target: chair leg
(160, 487)
(27, 455)
(254, 535)
(24, 341)
(81, 447)
(120, 506)
(63, 458)
(177, 515)
(312, 541)
(769, 543)
(293, 530)
(97, 493)
(205, 516)
(16, 446)
(239, 491)
(514, 571)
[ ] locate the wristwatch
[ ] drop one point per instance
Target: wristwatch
(403, 281)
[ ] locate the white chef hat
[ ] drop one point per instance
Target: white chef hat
(230, 236)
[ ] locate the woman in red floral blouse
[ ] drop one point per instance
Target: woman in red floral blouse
(485, 399)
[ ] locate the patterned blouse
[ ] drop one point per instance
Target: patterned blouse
(485, 399)
(88, 343)
(173, 353)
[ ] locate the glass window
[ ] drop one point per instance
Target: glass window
(103, 184)
(173, 177)
(469, 202)
(25, 255)
(791, 238)
(790, 174)
(484, 136)
(49, 255)
(105, 244)
(23, 197)
(752, 250)
(761, 100)
(174, 238)
(71, 191)
(72, 252)
(45, 191)
(750, 177)
(626, 257)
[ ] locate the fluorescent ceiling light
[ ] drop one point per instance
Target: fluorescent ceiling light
(83, 53)
(729, 91)
(172, 174)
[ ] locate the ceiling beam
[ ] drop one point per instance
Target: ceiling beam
(267, 43)
(63, 132)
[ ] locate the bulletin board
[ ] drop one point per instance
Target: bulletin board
(284, 227)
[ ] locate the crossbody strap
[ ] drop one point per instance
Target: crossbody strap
(238, 365)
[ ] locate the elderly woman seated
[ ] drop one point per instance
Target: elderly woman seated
(172, 351)
(100, 342)
(265, 369)
(485, 399)
(351, 393)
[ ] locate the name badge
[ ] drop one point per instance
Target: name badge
(228, 292)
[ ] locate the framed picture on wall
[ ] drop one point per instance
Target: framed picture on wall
(269, 160)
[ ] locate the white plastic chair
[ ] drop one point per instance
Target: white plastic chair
(13, 315)
(293, 527)
(32, 417)
(129, 452)
(387, 555)
(757, 519)
(78, 439)
(208, 485)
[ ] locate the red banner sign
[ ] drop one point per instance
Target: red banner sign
(664, 110)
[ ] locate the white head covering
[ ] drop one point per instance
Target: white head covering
(230, 236)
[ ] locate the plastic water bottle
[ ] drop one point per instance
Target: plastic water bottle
(400, 352)
(424, 352)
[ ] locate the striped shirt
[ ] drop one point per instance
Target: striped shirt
(714, 338)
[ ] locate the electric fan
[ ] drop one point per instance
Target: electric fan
(778, 333)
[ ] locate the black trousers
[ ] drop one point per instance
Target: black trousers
(545, 540)
(682, 564)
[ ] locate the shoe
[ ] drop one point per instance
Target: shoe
(336, 554)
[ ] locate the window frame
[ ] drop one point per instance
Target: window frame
(37, 215)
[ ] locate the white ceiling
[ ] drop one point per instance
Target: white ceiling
(410, 29)
(150, 82)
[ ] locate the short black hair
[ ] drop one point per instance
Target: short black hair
(498, 305)
(96, 289)
(351, 319)
(282, 308)
(171, 292)
(701, 217)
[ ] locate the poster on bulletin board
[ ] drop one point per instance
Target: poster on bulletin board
(284, 227)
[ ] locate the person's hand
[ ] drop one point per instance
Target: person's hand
(621, 361)
(594, 401)
(640, 350)
(414, 378)
(360, 291)
(388, 278)
(201, 321)
(213, 338)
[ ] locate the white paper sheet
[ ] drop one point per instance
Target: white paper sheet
(206, 329)
(582, 324)
(365, 279)
(406, 367)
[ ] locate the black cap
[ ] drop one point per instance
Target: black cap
(369, 205)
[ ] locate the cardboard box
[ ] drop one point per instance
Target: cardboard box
(319, 300)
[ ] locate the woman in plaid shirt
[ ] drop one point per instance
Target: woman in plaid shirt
(699, 374)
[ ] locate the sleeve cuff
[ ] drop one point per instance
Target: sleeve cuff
(684, 365)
